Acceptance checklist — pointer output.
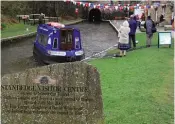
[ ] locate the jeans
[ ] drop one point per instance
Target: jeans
(132, 37)
(148, 39)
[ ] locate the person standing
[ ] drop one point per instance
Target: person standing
(173, 24)
(149, 24)
(143, 17)
(173, 31)
(161, 18)
(124, 38)
(41, 19)
(133, 27)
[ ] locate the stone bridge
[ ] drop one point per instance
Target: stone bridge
(95, 14)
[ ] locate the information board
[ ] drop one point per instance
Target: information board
(164, 38)
(138, 12)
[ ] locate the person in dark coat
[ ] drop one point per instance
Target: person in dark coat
(149, 24)
(161, 18)
(133, 27)
(41, 19)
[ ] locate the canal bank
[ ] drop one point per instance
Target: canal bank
(95, 38)
(13, 39)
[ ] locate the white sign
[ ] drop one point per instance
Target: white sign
(57, 53)
(164, 37)
(78, 53)
(138, 12)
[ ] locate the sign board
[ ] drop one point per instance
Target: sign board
(68, 93)
(164, 38)
(138, 12)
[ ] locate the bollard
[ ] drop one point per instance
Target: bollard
(34, 22)
(24, 21)
(19, 19)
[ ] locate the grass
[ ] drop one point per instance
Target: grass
(141, 37)
(20, 29)
(138, 88)
(17, 29)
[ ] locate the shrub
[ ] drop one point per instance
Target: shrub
(3, 26)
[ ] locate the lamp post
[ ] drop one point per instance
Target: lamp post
(163, 8)
(155, 8)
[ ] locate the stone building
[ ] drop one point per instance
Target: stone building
(165, 8)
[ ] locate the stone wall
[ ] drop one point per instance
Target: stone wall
(167, 13)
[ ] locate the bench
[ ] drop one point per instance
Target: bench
(54, 19)
(167, 27)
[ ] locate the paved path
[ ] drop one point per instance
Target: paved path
(118, 23)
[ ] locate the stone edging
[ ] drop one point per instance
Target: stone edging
(6, 41)
(104, 51)
(113, 26)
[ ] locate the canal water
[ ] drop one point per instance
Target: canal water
(95, 38)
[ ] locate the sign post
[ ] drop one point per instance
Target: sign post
(164, 38)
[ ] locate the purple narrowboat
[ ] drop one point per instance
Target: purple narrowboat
(56, 42)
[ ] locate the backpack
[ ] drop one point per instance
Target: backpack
(145, 25)
(154, 27)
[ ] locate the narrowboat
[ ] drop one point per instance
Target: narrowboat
(56, 42)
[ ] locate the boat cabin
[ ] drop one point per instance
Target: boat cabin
(56, 42)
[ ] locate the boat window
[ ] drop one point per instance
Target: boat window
(66, 36)
(69, 36)
(63, 36)
(42, 39)
(55, 43)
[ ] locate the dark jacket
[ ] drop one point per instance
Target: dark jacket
(161, 18)
(133, 26)
(41, 21)
(149, 24)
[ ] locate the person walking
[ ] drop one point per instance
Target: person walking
(133, 27)
(149, 25)
(124, 38)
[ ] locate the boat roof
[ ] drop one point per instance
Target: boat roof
(55, 25)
